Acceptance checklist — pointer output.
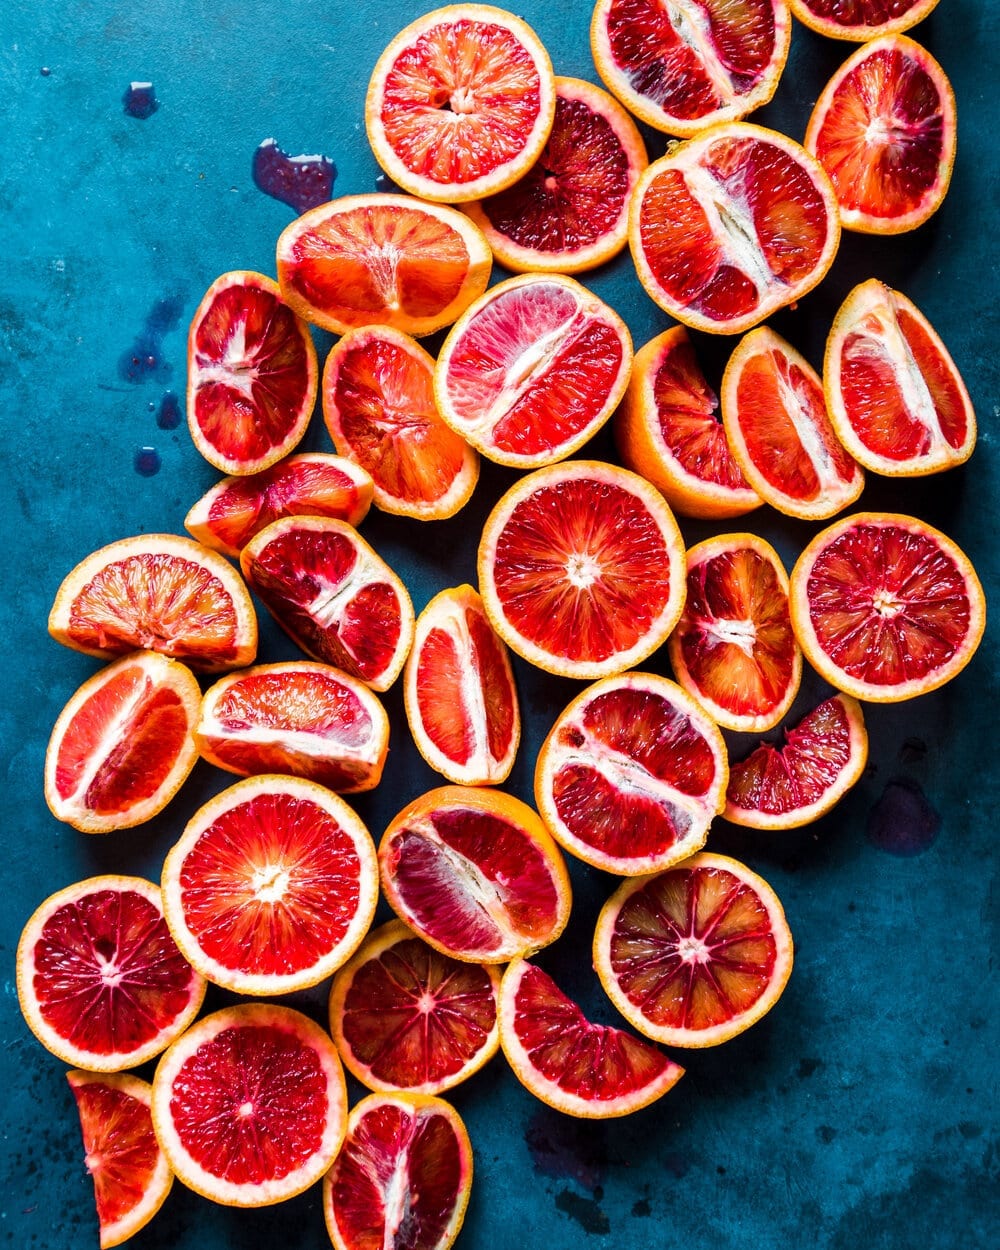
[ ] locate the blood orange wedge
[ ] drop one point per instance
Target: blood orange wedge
(475, 873)
(252, 374)
(378, 404)
(860, 19)
(631, 775)
(570, 210)
(312, 483)
(271, 886)
(129, 1170)
(382, 260)
(533, 369)
(460, 697)
(402, 1178)
(582, 1069)
(250, 1105)
(791, 784)
(694, 955)
(886, 607)
(460, 103)
(334, 595)
(406, 1017)
(732, 225)
(895, 397)
(779, 431)
(100, 980)
(581, 569)
(682, 66)
(122, 745)
(157, 592)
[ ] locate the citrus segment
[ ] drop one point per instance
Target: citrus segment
(860, 19)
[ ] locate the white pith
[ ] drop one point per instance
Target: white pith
(795, 403)
(236, 369)
(734, 633)
(731, 224)
(693, 29)
(471, 696)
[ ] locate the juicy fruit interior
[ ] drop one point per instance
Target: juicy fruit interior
(860, 12)
(120, 1148)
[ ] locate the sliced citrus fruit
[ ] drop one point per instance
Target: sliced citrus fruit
(379, 406)
(589, 1070)
(631, 775)
(460, 103)
(668, 430)
(682, 66)
(382, 260)
(461, 701)
(570, 210)
(402, 1178)
(407, 1017)
(100, 980)
(732, 225)
(130, 1172)
(333, 595)
(533, 369)
(581, 569)
(694, 955)
(122, 745)
(250, 1105)
(886, 607)
(791, 784)
(271, 886)
(300, 718)
(475, 873)
(895, 397)
(859, 20)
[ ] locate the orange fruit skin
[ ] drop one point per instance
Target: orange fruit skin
(858, 32)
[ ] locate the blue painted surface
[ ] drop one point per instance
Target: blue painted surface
(861, 1112)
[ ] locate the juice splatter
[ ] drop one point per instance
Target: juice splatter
(302, 182)
(140, 100)
(169, 416)
(144, 359)
(147, 461)
(902, 821)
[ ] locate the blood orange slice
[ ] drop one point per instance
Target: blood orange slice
(694, 955)
(461, 701)
(581, 569)
(271, 886)
(732, 225)
(631, 775)
(860, 19)
(582, 1069)
(820, 758)
(886, 607)
(334, 595)
(250, 1105)
(406, 1017)
(100, 980)
(475, 873)
(532, 370)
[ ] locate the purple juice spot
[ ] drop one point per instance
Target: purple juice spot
(140, 100)
(144, 359)
(902, 821)
(384, 183)
(147, 461)
(566, 1150)
(302, 182)
(169, 416)
(45, 71)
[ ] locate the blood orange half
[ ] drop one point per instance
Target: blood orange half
(860, 20)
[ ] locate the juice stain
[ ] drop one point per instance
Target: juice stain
(140, 100)
(384, 183)
(144, 359)
(302, 182)
(147, 461)
(45, 71)
(902, 821)
(169, 416)
(575, 1151)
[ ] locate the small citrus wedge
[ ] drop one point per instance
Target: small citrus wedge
(860, 20)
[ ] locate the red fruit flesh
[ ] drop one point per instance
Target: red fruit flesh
(860, 12)
(119, 1147)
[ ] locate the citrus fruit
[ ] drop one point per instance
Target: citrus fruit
(791, 784)
(581, 569)
(860, 19)
(382, 260)
(271, 886)
(570, 210)
(682, 66)
(122, 745)
(533, 369)
(157, 592)
(311, 483)
(379, 407)
(250, 1105)
(779, 432)
(460, 103)
(669, 431)
(895, 397)
(458, 686)
(631, 775)
(731, 226)
(252, 374)
(129, 1170)
(333, 595)
(886, 607)
(402, 1178)
(475, 873)
(694, 955)
(406, 1017)
(304, 719)
(583, 1069)
(100, 980)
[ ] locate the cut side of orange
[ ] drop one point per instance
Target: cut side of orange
(860, 20)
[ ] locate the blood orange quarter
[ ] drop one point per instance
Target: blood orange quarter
(860, 20)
